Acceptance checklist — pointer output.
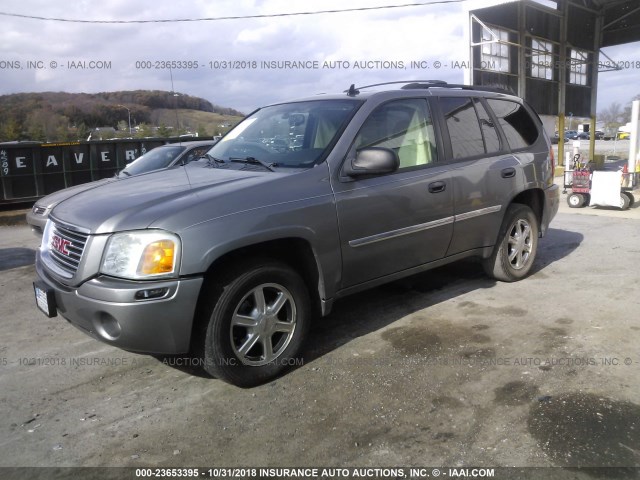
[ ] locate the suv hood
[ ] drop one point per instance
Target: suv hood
(55, 198)
(139, 201)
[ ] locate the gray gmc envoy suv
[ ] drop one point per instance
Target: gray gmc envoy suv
(229, 258)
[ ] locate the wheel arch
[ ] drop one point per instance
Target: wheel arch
(295, 252)
(534, 199)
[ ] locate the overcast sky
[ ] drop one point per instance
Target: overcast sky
(433, 33)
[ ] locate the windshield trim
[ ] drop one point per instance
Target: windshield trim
(338, 135)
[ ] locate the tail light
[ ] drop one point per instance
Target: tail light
(552, 162)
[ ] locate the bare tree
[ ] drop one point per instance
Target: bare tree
(612, 115)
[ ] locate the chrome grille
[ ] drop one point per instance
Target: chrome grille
(71, 242)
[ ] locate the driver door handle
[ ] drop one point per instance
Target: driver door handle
(437, 187)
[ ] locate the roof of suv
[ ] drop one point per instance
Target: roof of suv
(434, 87)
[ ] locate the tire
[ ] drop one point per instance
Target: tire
(624, 201)
(515, 252)
(632, 199)
(256, 322)
(575, 200)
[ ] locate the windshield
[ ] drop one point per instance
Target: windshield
(289, 135)
(159, 157)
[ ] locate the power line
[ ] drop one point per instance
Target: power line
(239, 17)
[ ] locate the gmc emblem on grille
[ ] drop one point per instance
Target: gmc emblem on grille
(60, 244)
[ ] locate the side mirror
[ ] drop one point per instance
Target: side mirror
(372, 161)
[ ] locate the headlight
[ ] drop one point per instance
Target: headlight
(46, 236)
(142, 255)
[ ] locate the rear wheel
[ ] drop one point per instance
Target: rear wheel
(515, 252)
(256, 325)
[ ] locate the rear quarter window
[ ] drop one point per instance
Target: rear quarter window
(463, 126)
(516, 122)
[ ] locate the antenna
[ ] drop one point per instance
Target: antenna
(352, 92)
(175, 103)
(172, 90)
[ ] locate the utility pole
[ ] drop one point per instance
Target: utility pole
(129, 112)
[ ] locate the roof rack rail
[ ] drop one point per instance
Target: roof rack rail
(483, 88)
(416, 84)
(353, 90)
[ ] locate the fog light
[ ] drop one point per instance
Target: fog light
(151, 293)
(107, 326)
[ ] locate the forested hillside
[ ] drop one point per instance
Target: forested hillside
(60, 116)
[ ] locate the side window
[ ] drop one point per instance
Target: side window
(403, 126)
(489, 132)
(517, 125)
(463, 126)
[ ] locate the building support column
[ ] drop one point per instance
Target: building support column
(562, 80)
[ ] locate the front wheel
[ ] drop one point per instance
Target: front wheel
(515, 252)
(257, 325)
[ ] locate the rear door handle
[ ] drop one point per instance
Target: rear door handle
(508, 172)
(437, 187)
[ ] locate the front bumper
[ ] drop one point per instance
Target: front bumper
(107, 309)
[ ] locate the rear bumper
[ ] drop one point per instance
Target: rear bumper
(107, 309)
(551, 205)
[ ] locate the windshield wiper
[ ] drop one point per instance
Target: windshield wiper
(125, 172)
(211, 160)
(254, 161)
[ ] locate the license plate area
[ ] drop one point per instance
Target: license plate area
(45, 299)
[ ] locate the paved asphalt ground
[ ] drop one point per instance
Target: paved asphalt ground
(446, 369)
